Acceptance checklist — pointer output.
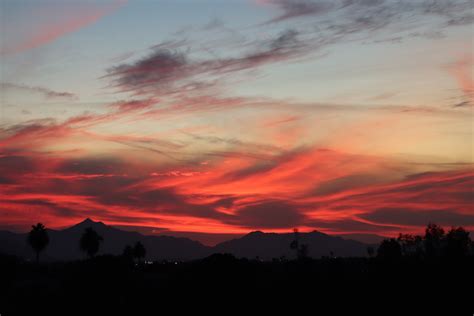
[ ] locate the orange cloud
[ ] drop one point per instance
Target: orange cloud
(311, 189)
(213, 183)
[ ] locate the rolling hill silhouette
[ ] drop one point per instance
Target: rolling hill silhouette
(64, 244)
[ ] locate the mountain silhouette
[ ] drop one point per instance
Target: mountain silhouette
(88, 223)
(373, 239)
(272, 245)
(64, 244)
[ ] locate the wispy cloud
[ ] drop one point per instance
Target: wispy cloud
(170, 68)
(183, 68)
(291, 9)
(45, 92)
(49, 20)
(453, 12)
(462, 72)
(287, 193)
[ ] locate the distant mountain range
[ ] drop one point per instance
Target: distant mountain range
(64, 244)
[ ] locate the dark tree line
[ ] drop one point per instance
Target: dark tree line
(138, 251)
(435, 243)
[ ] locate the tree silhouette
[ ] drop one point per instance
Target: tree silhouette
(412, 245)
(434, 235)
(370, 251)
(301, 250)
(457, 242)
(90, 242)
(139, 250)
(128, 252)
(295, 243)
(38, 239)
(389, 249)
(435, 243)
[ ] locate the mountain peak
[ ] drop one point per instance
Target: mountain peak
(88, 223)
(256, 232)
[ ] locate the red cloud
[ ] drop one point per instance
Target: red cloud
(312, 188)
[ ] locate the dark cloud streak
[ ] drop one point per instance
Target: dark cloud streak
(45, 92)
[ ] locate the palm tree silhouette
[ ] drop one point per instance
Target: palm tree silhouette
(139, 250)
(38, 239)
(90, 242)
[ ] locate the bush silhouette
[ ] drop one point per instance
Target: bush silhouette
(38, 239)
(457, 242)
(389, 249)
(90, 242)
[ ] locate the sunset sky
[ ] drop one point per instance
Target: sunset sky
(196, 117)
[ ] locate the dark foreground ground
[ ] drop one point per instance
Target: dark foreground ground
(110, 285)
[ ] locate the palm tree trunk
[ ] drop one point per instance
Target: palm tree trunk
(37, 257)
